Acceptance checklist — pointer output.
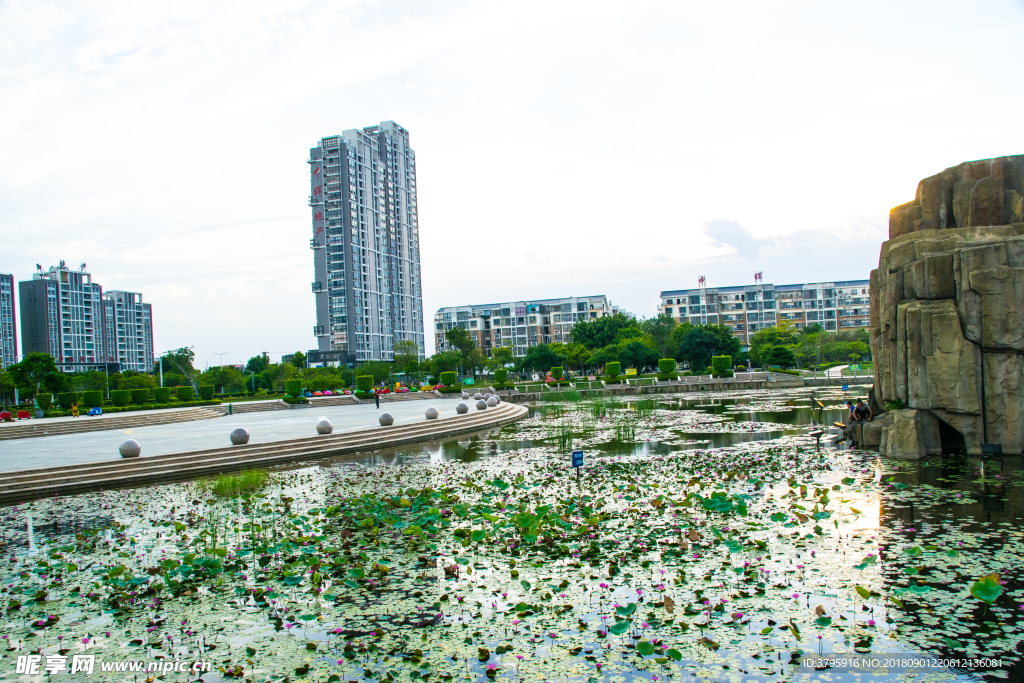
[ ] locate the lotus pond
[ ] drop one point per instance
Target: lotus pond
(704, 537)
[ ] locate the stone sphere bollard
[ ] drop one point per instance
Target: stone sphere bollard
(130, 449)
(431, 413)
(386, 420)
(481, 405)
(465, 395)
(324, 426)
(477, 396)
(497, 398)
(492, 401)
(239, 436)
(462, 409)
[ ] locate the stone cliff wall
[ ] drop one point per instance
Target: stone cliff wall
(947, 311)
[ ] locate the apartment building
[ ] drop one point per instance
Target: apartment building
(521, 324)
(366, 253)
(67, 315)
(128, 330)
(8, 327)
(746, 309)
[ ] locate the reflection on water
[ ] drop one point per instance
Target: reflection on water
(468, 448)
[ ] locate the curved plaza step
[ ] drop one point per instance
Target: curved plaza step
(32, 484)
(57, 426)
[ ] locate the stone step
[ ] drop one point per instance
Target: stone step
(43, 482)
(45, 427)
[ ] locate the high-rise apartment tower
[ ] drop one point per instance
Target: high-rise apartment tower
(62, 315)
(366, 246)
(129, 330)
(8, 332)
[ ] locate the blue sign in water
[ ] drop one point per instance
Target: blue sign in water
(577, 458)
(846, 387)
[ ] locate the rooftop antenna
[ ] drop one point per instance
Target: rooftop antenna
(81, 268)
(39, 268)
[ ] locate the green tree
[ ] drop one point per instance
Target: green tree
(381, 371)
(299, 360)
(781, 356)
(444, 361)
(638, 353)
(699, 344)
(6, 388)
(600, 332)
(257, 364)
(764, 341)
(659, 330)
(539, 358)
(603, 356)
(500, 357)
(37, 371)
(406, 353)
(462, 341)
(181, 361)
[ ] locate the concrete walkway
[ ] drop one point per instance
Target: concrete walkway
(263, 427)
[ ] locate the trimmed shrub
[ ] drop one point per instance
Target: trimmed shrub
(294, 400)
(721, 366)
(448, 379)
(613, 369)
(162, 395)
(140, 396)
(500, 376)
(92, 399)
(556, 373)
(45, 401)
(65, 399)
(184, 393)
(741, 368)
(206, 391)
(432, 381)
(666, 365)
(293, 387)
(120, 397)
(364, 383)
(360, 394)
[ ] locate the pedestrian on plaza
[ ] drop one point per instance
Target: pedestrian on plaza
(376, 397)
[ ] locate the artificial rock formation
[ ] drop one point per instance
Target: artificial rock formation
(947, 313)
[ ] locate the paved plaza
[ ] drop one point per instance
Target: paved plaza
(265, 427)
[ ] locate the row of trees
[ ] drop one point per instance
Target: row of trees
(633, 344)
(786, 347)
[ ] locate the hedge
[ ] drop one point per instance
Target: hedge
(65, 399)
(293, 400)
(500, 376)
(666, 365)
(92, 399)
(184, 393)
(557, 373)
(206, 391)
(148, 406)
(448, 379)
(120, 397)
(45, 401)
(721, 366)
(364, 383)
(140, 396)
(162, 395)
(741, 368)
(359, 393)
(612, 369)
(293, 387)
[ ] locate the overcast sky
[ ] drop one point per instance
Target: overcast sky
(563, 148)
